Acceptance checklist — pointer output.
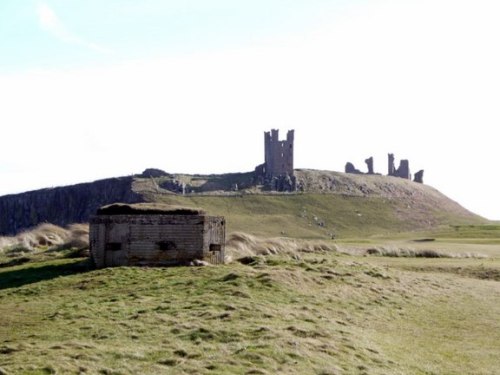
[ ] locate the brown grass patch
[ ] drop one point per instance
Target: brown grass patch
(46, 237)
(403, 252)
(244, 245)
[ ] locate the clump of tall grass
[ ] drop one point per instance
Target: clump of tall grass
(43, 236)
(6, 242)
(47, 237)
(239, 245)
(79, 236)
(400, 252)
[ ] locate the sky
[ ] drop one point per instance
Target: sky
(92, 89)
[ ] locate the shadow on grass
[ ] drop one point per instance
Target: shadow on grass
(34, 274)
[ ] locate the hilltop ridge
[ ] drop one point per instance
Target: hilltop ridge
(326, 202)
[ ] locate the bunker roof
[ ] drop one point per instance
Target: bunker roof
(147, 209)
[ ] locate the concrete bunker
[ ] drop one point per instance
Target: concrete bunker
(146, 234)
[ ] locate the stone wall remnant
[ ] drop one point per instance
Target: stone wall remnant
(419, 177)
(369, 164)
(350, 168)
(391, 168)
(403, 170)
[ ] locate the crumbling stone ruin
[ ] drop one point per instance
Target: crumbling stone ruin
(369, 164)
(350, 168)
(76, 203)
(277, 171)
(391, 168)
(419, 177)
(403, 171)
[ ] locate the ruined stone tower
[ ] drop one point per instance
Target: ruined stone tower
(278, 154)
(391, 168)
(403, 171)
(277, 170)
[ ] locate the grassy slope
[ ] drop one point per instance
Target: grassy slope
(300, 215)
(323, 314)
(342, 204)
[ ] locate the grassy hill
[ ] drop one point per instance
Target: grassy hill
(320, 312)
(333, 203)
(327, 203)
(425, 302)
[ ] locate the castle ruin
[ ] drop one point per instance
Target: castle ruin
(419, 177)
(350, 168)
(403, 171)
(369, 164)
(277, 171)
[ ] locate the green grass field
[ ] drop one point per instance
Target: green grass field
(315, 313)
(318, 216)
(319, 308)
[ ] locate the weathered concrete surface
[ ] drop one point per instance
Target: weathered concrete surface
(62, 205)
(152, 236)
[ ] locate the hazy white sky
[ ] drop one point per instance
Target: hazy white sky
(92, 89)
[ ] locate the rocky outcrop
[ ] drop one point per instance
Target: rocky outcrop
(283, 183)
(153, 173)
(175, 186)
(62, 205)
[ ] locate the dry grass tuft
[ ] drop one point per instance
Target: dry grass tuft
(6, 242)
(401, 252)
(47, 237)
(43, 235)
(79, 236)
(244, 245)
